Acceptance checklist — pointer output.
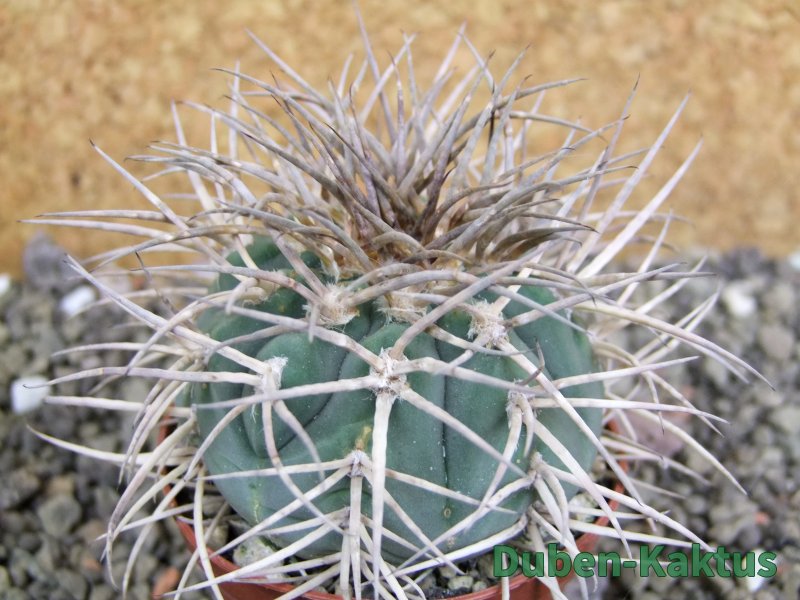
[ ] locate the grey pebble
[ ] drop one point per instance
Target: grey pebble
(696, 504)
(59, 515)
(140, 591)
(447, 572)
(749, 536)
(716, 372)
(146, 564)
(102, 592)
(18, 567)
(698, 463)
(660, 584)
(61, 484)
(763, 395)
(729, 520)
(44, 265)
(787, 419)
(72, 330)
(776, 341)
(486, 563)
(763, 435)
(47, 556)
(780, 300)
(427, 583)
(791, 588)
(105, 499)
(13, 360)
(20, 485)
(73, 583)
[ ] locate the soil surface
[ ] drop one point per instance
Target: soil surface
(54, 504)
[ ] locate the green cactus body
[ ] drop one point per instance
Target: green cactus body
(418, 444)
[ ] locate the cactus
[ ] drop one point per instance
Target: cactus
(393, 348)
(341, 423)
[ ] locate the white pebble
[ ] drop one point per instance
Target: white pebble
(252, 550)
(27, 393)
(460, 582)
(794, 260)
(479, 586)
(739, 301)
(76, 300)
(757, 582)
(5, 283)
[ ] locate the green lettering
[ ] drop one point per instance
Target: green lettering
(723, 556)
(766, 560)
(603, 558)
(648, 561)
(538, 568)
(744, 566)
(559, 564)
(678, 565)
(505, 561)
(583, 564)
(700, 562)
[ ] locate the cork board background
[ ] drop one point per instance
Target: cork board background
(75, 70)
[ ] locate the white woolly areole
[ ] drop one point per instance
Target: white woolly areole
(271, 374)
(332, 308)
(389, 379)
(402, 308)
(487, 324)
(357, 466)
(516, 401)
(257, 292)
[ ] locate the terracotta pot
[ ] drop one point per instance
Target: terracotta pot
(520, 587)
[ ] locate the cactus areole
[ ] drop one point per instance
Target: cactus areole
(426, 460)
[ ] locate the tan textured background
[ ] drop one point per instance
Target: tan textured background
(107, 70)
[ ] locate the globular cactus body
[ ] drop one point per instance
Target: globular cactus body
(375, 353)
(419, 446)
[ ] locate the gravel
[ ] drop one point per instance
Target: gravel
(760, 445)
(54, 504)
